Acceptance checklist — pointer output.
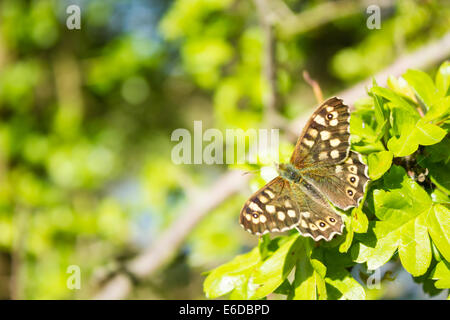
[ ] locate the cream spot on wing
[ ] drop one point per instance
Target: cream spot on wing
(330, 109)
(334, 122)
(262, 219)
(320, 120)
(313, 132)
(334, 114)
(307, 142)
(248, 216)
(255, 221)
(287, 203)
(312, 226)
(334, 154)
(349, 161)
(291, 213)
(323, 155)
(254, 206)
(338, 169)
(306, 214)
(270, 208)
(263, 199)
(269, 193)
(304, 224)
(325, 135)
(335, 142)
(281, 215)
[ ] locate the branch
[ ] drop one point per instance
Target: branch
(269, 74)
(291, 23)
(231, 182)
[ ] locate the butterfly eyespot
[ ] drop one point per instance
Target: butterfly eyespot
(352, 179)
(322, 224)
(350, 192)
(332, 219)
(329, 116)
(255, 215)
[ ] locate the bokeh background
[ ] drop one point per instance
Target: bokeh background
(86, 116)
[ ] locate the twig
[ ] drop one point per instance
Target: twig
(290, 23)
(231, 182)
(269, 75)
(315, 86)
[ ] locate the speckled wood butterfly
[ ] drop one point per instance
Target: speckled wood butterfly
(322, 168)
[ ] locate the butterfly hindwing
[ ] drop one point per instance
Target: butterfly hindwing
(325, 139)
(343, 184)
(318, 219)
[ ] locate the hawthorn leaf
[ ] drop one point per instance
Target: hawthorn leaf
(438, 222)
(443, 78)
(272, 272)
(423, 86)
(348, 288)
(360, 222)
(233, 275)
(441, 273)
(379, 163)
(414, 247)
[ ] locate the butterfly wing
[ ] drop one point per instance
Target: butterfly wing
(270, 209)
(318, 219)
(343, 184)
(282, 205)
(325, 140)
(323, 155)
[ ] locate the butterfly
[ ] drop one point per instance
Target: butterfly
(322, 169)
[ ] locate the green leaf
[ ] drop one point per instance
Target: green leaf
(273, 271)
(309, 283)
(443, 78)
(423, 86)
(403, 211)
(428, 134)
(348, 238)
(439, 110)
(379, 163)
(397, 101)
(233, 275)
(346, 286)
(438, 222)
(442, 274)
(436, 159)
(360, 222)
(414, 248)
(412, 134)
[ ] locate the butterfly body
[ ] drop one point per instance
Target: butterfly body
(322, 169)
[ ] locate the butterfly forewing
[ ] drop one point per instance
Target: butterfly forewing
(270, 209)
(325, 140)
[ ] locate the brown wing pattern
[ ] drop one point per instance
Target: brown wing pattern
(270, 209)
(343, 184)
(325, 140)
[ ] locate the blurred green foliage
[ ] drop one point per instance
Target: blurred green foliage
(86, 117)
